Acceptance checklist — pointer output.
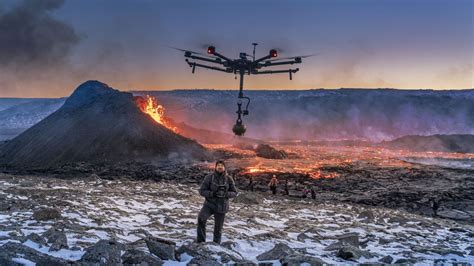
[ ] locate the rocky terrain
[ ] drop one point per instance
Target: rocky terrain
(53, 221)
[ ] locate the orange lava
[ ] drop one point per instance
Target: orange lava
(313, 161)
(150, 106)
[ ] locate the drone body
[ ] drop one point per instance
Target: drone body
(241, 66)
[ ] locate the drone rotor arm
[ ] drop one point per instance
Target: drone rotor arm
(289, 71)
(189, 52)
(194, 64)
(215, 60)
(256, 62)
(294, 57)
(222, 57)
(276, 63)
(276, 71)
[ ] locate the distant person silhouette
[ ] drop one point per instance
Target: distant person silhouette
(273, 184)
(313, 193)
(287, 190)
(435, 204)
(251, 184)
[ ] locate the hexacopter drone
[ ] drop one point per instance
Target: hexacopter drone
(241, 66)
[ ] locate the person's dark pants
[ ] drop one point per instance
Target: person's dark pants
(274, 190)
(204, 214)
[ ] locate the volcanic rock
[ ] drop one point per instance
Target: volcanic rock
(279, 251)
(269, 152)
(367, 215)
(36, 238)
(249, 198)
(454, 214)
(206, 253)
(96, 124)
(298, 259)
(162, 248)
(46, 214)
(351, 239)
(138, 257)
(387, 259)
(104, 252)
(57, 239)
(405, 261)
(12, 250)
(349, 253)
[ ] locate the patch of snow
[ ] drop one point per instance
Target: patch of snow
(62, 253)
(24, 261)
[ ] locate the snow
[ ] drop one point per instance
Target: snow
(100, 234)
(63, 253)
(4, 233)
(251, 249)
(23, 261)
(122, 210)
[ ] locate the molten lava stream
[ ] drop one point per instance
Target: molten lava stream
(149, 105)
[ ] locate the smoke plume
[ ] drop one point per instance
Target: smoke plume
(32, 42)
(31, 37)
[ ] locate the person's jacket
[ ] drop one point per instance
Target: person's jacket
(273, 182)
(209, 187)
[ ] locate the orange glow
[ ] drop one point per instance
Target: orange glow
(318, 174)
(150, 106)
(323, 162)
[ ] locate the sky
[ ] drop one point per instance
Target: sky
(49, 47)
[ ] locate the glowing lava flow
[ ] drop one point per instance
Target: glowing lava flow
(150, 106)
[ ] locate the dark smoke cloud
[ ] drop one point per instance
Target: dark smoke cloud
(35, 49)
(31, 37)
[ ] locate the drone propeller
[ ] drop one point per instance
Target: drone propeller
(293, 57)
(201, 54)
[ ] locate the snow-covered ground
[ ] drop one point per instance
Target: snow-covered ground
(95, 209)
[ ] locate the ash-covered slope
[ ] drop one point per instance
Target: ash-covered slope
(96, 124)
(437, 143)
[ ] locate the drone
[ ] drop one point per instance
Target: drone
(245, 65)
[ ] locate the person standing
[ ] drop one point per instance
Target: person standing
(287, 190)
(435, 203)
(313, 193)
(273, 184)
(217, 187)
(251, 183)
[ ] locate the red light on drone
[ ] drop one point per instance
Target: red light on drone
(273, 53)
(211, 50)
